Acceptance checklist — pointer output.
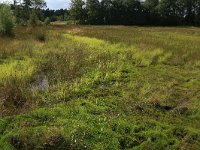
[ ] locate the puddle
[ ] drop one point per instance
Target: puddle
(41, 84)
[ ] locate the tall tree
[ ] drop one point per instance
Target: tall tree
(26, 9)
(7, 22)
(190, 11)
(133, 13)
(169, 12)
(197, 16)
(31, 6)
(106, 7)
(77, 11)
(93, 8)
(151, 8)
(117, 12)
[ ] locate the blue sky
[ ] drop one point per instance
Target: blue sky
(52, 4)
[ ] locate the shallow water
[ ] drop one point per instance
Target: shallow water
(41, 84)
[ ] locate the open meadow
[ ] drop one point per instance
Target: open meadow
(100, 88)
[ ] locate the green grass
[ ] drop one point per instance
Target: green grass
(100, 87)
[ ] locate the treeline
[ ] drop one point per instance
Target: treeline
(55, 15)
(27, 10)
(136, 12)
(110, 12)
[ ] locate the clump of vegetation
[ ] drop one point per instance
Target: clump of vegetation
(41, 37)
(33, 21)
(47, 21)
(7, 22)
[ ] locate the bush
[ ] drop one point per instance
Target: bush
(40, 34)
(7, 21)
(41, 37)
(33, 21)
(47, 21)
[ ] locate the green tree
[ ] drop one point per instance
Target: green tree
(33, 20)
(191, 6)
(151, 7)
(31, 8)
(7, 21)
(77, 11)
(197, 16)
(117, 12)
(133, 12)
(106, 7)
(169, 12)
(93, 8)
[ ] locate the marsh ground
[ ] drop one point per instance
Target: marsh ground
(100, 87)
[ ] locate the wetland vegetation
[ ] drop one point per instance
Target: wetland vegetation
(100, 87)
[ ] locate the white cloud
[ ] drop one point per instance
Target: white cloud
(6, 1)
(52, 4)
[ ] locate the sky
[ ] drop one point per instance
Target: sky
(51, 4)
(57, 4)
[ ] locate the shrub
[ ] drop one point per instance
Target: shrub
(7, 21)
(33, 21)
(41, 36)
(47, 21)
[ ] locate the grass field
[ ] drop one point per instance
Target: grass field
(100, 87)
